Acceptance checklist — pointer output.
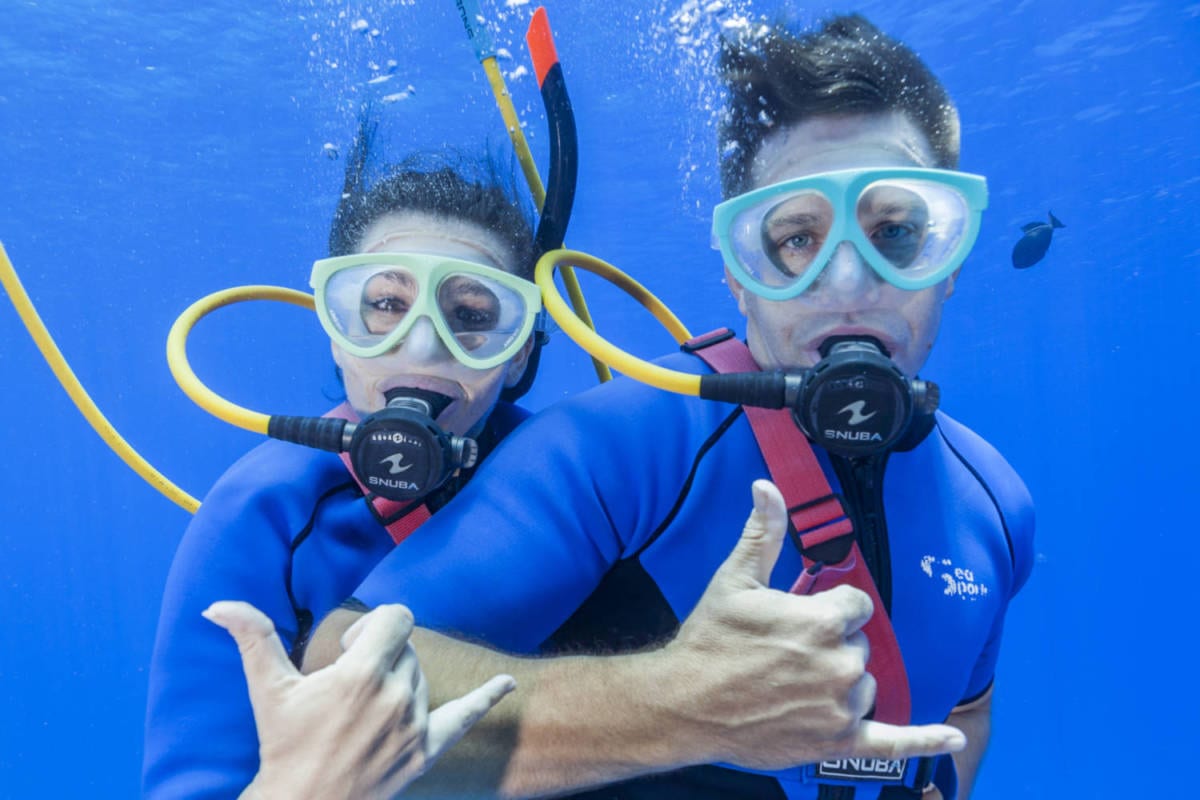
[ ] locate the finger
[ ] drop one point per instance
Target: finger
(351, 633)
(881, 740)
(859, 643)
(407, 671)
(380, 641)
(450, 721)
(862, 695)
(420, 694)
(757, 550)
(852, 605)
(264, 660)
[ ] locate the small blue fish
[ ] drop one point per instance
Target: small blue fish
(1033, 245)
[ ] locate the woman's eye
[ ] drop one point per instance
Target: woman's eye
(382, 314)
(470, 318)
(391, 305)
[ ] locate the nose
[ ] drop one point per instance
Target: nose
(422, 345)
(847, 278)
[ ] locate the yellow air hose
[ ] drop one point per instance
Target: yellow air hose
(62, 371)
(591, 342)
(177, 358)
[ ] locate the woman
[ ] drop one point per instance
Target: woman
(427, 293)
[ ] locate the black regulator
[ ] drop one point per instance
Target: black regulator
(854, 402)
(399, 452)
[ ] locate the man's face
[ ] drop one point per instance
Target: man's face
(848, 298)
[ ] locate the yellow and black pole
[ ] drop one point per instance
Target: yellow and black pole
(556, 204)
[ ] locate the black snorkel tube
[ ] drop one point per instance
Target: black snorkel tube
(564, 141)
(564, 168)
(400, 452)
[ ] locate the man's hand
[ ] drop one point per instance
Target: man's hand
(772, 679)
(359, 728)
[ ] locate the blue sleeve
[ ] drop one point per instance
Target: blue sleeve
(1015, 506)
(576, 488)
(201, 741)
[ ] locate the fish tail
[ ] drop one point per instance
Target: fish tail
(1054, 223)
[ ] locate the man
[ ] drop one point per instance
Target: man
(607, 530)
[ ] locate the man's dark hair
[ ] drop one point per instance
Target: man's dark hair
(443, 191)
(847, 67)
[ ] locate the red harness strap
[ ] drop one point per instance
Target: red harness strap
(406, 517)
(819, 521)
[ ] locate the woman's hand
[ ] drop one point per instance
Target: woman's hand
(360, 728)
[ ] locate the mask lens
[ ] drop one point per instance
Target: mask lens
(915, 225)
(793, 232)
(386, 298)
(365, 303)
(484, 315)
(777, 241)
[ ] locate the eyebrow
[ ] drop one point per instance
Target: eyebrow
(893, 202)
(460, 287)
(394, 276)
(798, 218)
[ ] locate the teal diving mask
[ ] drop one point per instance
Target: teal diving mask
(913, 226)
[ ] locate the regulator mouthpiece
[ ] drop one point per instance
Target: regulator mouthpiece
(401, 453)
(856, 402)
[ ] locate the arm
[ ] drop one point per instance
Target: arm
(975, 720)
(200, 741)
(712, 694)
(200, 734)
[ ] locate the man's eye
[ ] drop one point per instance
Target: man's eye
(893, 231)
(797, 241)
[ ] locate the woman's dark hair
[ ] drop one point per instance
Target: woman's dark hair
(847, 67)
(423, 185)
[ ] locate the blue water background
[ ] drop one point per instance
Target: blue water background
(154, 152)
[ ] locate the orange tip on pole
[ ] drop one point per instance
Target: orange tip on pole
(541, 44)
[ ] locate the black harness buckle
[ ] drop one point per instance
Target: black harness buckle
(706, 340)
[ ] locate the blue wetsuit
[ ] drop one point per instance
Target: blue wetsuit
(287, 529)
(602, 521)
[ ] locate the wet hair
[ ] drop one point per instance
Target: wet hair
(848, 66)
(444, 186)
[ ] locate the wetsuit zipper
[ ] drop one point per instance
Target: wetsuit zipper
(861, 480)
(862, 488)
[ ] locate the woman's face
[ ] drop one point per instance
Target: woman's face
(422, 361)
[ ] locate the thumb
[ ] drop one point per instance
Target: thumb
(757, 550)
(263, 657)
(449, 721)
